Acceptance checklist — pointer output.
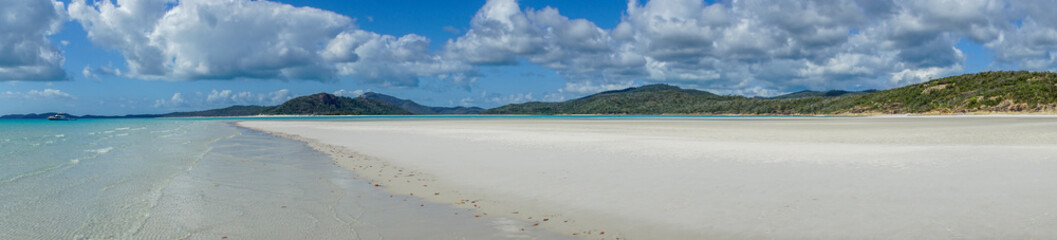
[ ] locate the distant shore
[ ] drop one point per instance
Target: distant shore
(829, 178)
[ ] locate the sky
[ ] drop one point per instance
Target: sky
(157, 56)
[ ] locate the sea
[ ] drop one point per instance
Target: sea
(204, 178)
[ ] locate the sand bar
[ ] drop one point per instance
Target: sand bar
(828, 178)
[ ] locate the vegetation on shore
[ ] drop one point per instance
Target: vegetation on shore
(981, 92)
(328, 104)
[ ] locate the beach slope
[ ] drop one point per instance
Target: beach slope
(818, 178)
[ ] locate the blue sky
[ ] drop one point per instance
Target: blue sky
(157, 56)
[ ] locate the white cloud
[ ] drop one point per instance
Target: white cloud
(240, 39)
(755, 47)
(199, 39)
(94, 73)
(223, 98)
(390, 61)
(501, 34)
(591, 87)
(762, 47)
(176, 100)
(228, 97)
(451, 30)
(46, 94)
(26, 54)
(506, 99)
(347, 93)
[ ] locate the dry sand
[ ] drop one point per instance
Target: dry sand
(788, 178)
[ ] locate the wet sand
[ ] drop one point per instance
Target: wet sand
(817, 178)
(258, 186)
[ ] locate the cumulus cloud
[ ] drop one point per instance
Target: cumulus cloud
(762, 47)
(347, 93)
(213, 39)
(496, 98)
(26, 54)
(591, 87)
(223, 98)
(390, 61)
(46, 94)
(94, 73)
(176, 100)
(501, 34)
(754, 47)
(228, 97)
(243, 39)
(1032, 44)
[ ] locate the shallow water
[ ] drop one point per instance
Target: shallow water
(92, 178)
(202, 179)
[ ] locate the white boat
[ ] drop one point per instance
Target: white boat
(60, 117)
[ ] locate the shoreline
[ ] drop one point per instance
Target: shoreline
(426, 187)
(659, 178)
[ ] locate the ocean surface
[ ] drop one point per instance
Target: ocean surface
(203, 179)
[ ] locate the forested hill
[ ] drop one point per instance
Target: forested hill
(1020, 92)
(328, 104)
(416, 108)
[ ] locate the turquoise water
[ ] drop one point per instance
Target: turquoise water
(69, 179)
(202, 179)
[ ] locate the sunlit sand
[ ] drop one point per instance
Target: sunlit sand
(833, 178)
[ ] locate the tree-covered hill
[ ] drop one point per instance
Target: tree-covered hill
(328, 104)
(981, 92)
(416, 108)
(830, 93)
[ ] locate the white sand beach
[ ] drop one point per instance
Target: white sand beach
(724, 178)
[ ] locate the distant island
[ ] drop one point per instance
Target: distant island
(986, 92)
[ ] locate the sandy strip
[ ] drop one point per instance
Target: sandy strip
(828, 178)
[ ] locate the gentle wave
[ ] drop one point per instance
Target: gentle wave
(37, 172)
(101, 150)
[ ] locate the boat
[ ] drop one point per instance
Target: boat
(60, 117)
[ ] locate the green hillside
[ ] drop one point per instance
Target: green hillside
(830, 93)
(415, 108)
(327, 104)
(980, 92)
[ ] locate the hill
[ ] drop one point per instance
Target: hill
(830, 93)
(981, 92)
(415, 108)
(328, 104)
